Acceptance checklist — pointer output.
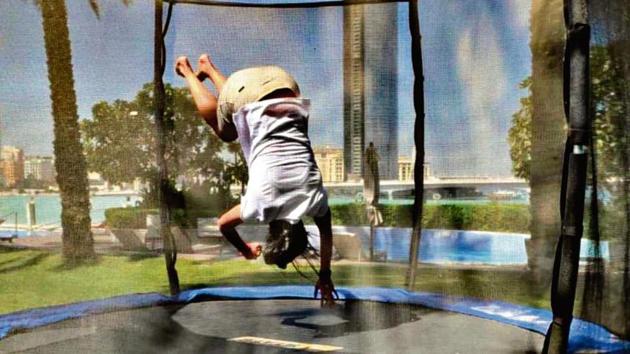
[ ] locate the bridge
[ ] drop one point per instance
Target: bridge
(436, 188)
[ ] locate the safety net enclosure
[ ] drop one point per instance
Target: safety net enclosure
(473, 155)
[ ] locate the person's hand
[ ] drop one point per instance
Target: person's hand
(326, 288)
(256, 250)
(182, 66)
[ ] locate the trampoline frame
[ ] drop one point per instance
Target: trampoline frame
(587, 336)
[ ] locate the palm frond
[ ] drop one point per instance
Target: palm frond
(95, 7)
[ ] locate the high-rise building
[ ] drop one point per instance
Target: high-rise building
(12, 165)
(354, 91)
(39, 168)
(330, 162)
(406, 168)
(370, 87)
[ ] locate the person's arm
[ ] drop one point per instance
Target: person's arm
(324, 224)
(325, 284)
(227, 224)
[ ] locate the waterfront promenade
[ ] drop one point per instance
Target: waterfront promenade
(48, 209)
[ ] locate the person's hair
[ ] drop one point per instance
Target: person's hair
(280, 93)
(285, 242)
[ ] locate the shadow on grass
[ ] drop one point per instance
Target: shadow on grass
(69, 266)
(134, 256)
(19, 264)
(10, 260)
(8, 249)
(138, 257)
(131, 257)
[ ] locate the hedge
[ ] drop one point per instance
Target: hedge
(128, 218)
(136, 218)
(480, 217)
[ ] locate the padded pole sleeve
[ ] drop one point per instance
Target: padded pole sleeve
(418, 103)
(576, 102)
(159, 107)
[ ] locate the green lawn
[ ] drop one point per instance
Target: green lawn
(32, 279)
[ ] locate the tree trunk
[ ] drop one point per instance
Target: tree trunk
(70, 164)
(548, 135)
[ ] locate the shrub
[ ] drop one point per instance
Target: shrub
(480, 217)
(128, 218)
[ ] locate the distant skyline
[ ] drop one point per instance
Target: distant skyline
(475, 54)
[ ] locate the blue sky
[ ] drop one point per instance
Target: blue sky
(475, 54)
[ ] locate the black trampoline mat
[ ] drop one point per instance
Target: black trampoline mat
(212, 326)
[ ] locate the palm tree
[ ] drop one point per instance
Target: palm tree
(548, 135)
(239, 166)
(78, 244)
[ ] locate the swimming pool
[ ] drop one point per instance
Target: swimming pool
(436, 246)
(453, 246)
(23, 233)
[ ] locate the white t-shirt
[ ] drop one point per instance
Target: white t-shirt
(284, 180)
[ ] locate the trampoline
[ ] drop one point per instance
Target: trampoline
(336, 51)
(272, 319)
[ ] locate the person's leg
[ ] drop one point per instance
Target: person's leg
(227, 225)
(207, 69)
(205, 101)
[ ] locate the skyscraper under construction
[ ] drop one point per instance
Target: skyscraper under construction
(370, 87)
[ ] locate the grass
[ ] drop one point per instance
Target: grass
(32, 278)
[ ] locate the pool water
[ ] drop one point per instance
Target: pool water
(436, 246)
(453, 246)
(22, 233)
(48, 208)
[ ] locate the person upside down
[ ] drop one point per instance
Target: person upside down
(263, 109)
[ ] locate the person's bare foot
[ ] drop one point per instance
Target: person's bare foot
(182, 66)
(205, 67)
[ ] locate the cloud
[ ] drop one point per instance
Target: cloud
(483, 77)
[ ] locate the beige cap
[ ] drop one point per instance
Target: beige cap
(250, 85)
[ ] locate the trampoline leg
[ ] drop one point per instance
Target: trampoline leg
(559, 335)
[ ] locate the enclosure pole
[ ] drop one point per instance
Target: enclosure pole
(576, 104)
(159, 98)
(418, 134)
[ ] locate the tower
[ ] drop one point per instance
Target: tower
(354, 91)
(371, 87)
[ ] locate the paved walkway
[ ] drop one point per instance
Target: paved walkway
(106, 243)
